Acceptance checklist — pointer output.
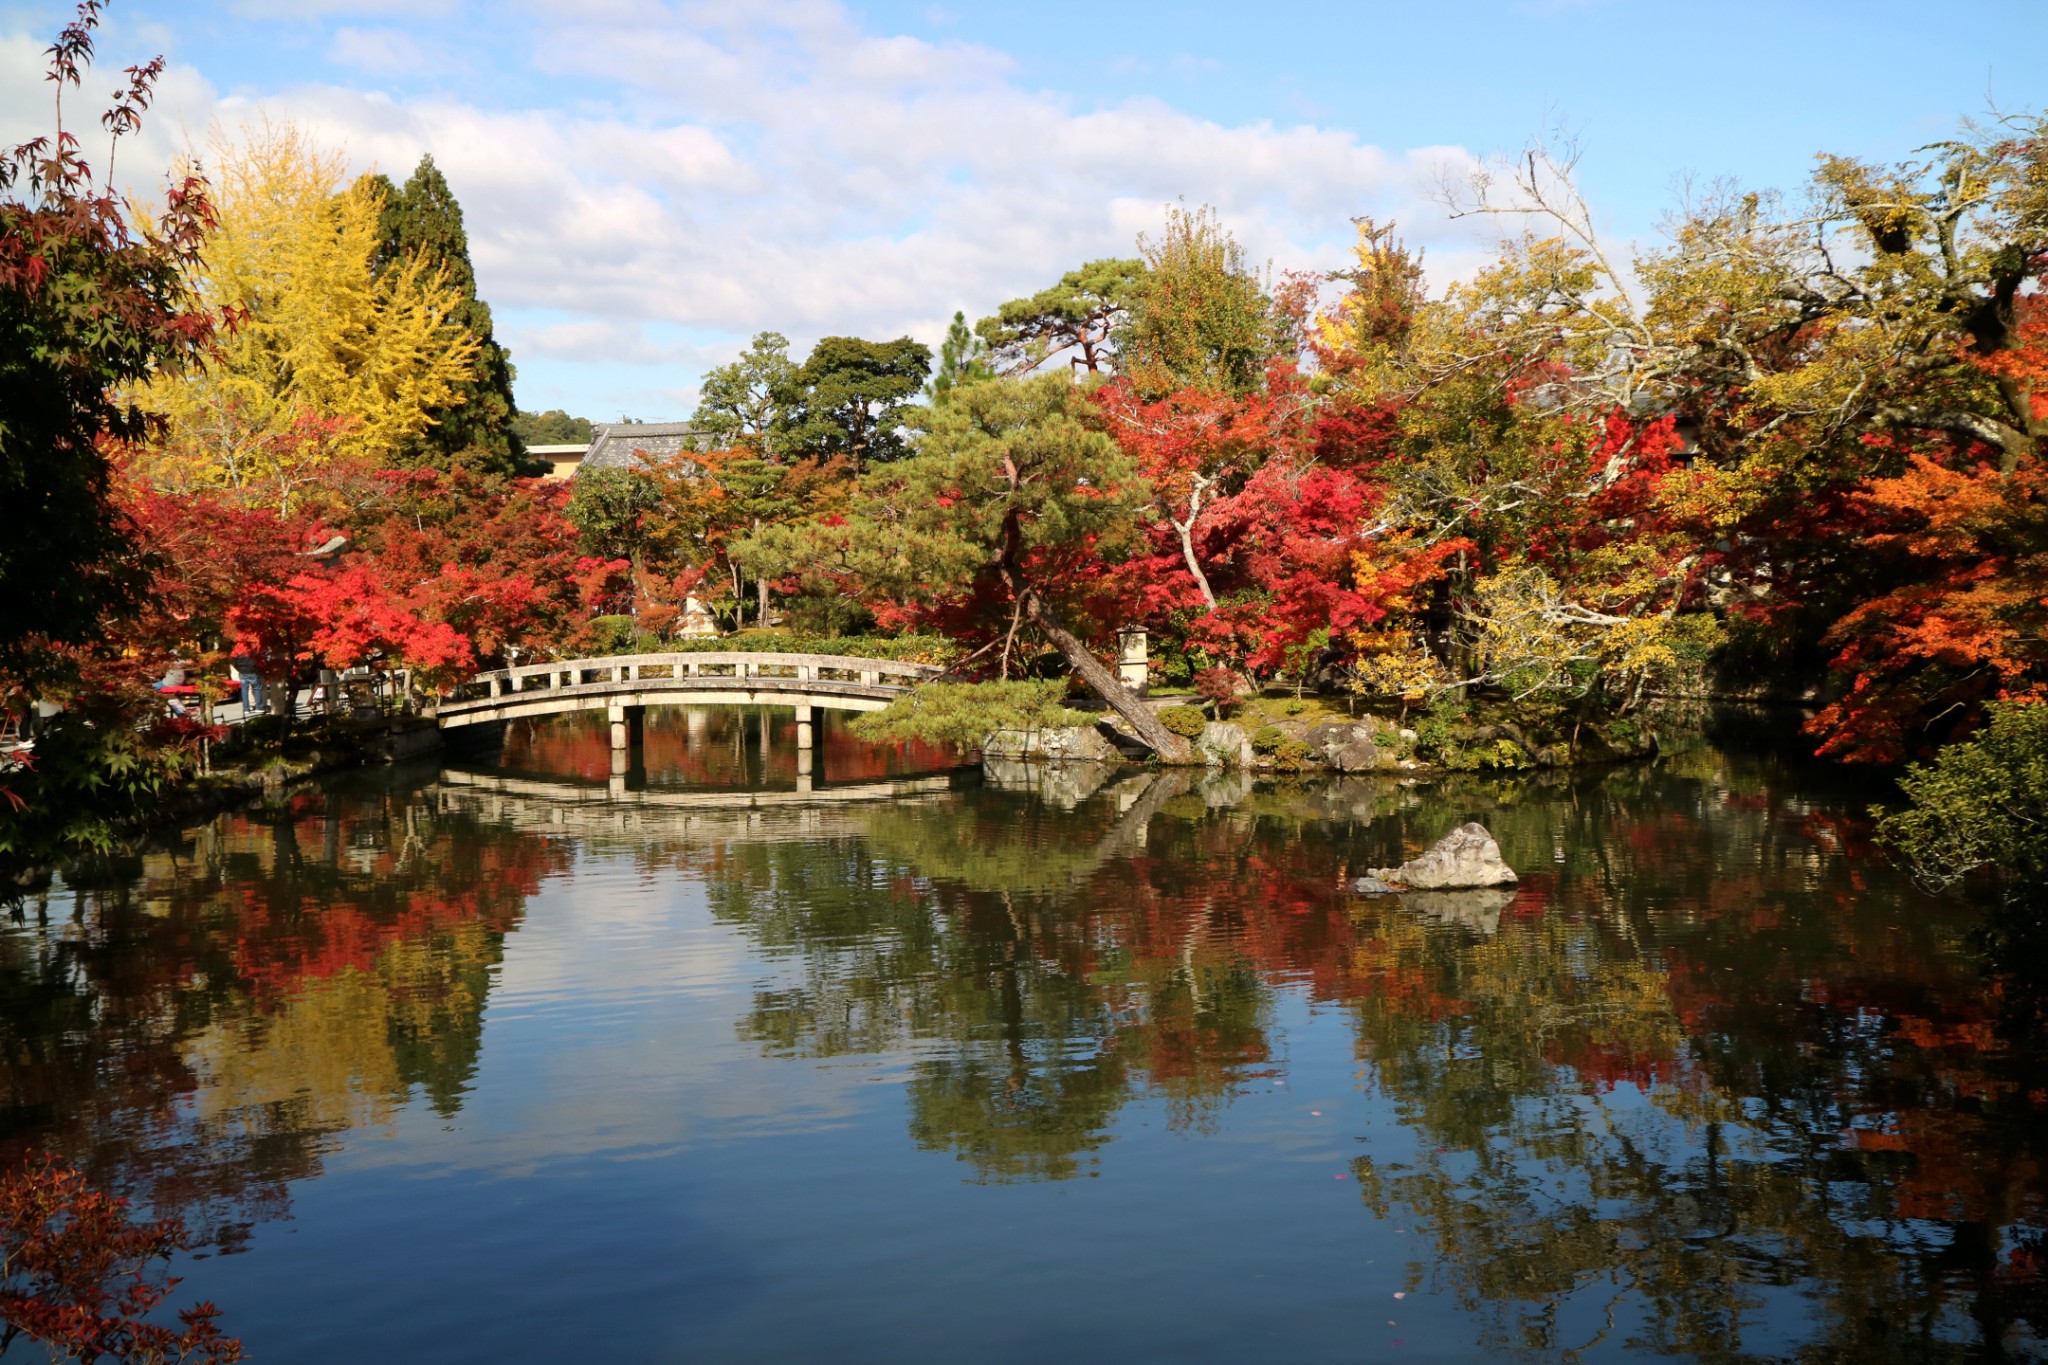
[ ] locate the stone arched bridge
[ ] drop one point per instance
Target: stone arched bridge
(625, 685)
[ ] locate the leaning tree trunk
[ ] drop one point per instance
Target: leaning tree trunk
(1107, 685)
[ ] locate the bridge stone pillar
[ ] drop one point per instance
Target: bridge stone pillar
(629, 726)
(629, 773)
(806, 731)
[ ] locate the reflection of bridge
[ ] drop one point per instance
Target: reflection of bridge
(619, 812)
(576, 807)
(624, 686)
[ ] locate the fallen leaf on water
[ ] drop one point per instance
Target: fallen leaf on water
(1400, 1293)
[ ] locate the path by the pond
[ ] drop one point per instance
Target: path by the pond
(1085, 1072)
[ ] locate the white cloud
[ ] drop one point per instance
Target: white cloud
(380, 51)
(316, 9)
(713, 169)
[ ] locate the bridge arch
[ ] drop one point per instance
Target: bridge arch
(625, 685)
(628, 683)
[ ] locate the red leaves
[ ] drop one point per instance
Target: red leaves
(1264, 507)
(1295, 531)
(74, 1274)
(1960, 612)
(349, 617)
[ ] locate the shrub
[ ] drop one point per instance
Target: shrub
(1219, 685)
(606, 635)
(965, 714)
(1982, 803)
(1291, 754)
(1185, 721)
(1275, 743)
(1437, 732)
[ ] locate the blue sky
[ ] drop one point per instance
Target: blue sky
(647, 183)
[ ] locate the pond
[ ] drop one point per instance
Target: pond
(1048, 1067)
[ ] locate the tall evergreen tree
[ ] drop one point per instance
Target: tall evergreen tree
(963, 359)
(553, 427)
(423, 220)
(1082, 314)
(847, 398)
(744, 403)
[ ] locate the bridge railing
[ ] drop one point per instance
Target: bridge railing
(620, 670)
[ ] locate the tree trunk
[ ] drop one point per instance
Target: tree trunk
(1107, 685)
(284, 700)
(1186, 530)
(761, 590)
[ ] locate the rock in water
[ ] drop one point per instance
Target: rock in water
(1371, 886)
(1467, 856)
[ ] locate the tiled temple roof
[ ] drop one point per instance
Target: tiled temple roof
(612, 445)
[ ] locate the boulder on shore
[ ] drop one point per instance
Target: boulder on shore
(1467, 856)
(1348, 748)
(1223, 744)
(1056, 744)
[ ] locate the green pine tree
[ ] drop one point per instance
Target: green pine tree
(423, 220)
(963, 359)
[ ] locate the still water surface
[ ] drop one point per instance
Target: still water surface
(1076, 1070)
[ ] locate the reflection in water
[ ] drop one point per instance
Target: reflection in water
(710, 746)
(200, 1033)
(1710, 1083)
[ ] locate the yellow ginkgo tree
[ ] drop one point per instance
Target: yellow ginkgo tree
(326, 362)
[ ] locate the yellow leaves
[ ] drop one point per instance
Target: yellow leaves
(1888, 208)
(1370, 324)
(1394, 663)
(318, 330)
(1528, 636)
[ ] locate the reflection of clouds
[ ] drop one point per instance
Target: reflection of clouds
(610, 1032)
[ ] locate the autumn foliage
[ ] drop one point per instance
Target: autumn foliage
(1783, 453)
(75, 1275)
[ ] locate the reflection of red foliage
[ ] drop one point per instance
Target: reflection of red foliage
(284, 937)
(713, 747)
(299, 896)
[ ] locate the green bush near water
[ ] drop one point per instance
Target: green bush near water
(1979, 804)
(964, 714)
